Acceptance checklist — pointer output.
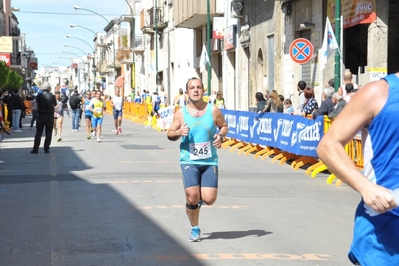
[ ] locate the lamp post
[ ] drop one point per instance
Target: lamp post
(132, 40)
(70, 36)
(66, 45)
(75, 25)
(113, 34)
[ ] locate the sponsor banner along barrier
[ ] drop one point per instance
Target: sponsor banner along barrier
(291, 133)
(165, 117)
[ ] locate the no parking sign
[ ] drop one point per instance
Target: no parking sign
(301, 50)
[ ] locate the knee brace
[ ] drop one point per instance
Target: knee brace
(191, 207)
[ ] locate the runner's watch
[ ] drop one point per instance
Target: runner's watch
(221, 137)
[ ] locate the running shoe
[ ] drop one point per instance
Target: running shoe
(195, 235)
(120, 130)
(200, 203)
(117, 132)
(98, 140)
(59, 139)
(88, 136)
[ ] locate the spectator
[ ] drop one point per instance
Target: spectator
(301, 88)
(260, 102)
(45, 109)
(164, 97)
(310, 104)
(327, 105)
(15, 104)
(276, 105)
(180, 99)
(75, 102)
(58, 116)
(137, 97)
(349, 92)
(289, 109)
(339, 104)
(347, 80)
(219, 101)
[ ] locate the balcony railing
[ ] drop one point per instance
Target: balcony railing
(148, 21)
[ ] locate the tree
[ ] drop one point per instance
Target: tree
(4, 74)
(9, 79)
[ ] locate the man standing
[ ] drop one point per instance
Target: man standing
(374, 110)
(301, 89)
(197, 125)
(117, 105)
(97, 107)
(45, 111)
(75, 102)
(16, 105)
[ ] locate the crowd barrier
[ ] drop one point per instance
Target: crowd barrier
(282, 137)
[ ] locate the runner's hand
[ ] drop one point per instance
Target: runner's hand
(184, 129)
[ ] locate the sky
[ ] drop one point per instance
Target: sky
(46, 24)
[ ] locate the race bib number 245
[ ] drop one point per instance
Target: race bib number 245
(200, 150)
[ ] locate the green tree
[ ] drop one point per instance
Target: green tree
(9, 79)
(4, 75)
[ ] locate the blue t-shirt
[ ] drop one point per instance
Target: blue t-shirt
(87, 107)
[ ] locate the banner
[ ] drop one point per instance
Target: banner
(354, 12)
(165, 117)
(291, 133)
(6, 44)
(6, 59)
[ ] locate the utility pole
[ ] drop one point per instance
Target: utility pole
(337, 76)
(208, 42)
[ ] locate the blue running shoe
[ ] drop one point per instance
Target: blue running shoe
(195, 235)
(200, 203)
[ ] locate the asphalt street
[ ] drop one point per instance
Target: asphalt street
(121, 202)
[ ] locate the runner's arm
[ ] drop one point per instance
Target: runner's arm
(177, 127)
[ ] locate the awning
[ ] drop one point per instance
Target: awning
(119, 82)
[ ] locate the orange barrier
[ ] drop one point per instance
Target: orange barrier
(313, 165)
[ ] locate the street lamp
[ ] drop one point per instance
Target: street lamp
(66, 45)
(113, 35)
(75, 25)
(70, 36)
(78, 56)
(133, 70)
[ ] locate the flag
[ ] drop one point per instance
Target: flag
(329, 44)
(203, 59)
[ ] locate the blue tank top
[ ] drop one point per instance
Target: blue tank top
(196, 147)
(87, 110)
(376, 239)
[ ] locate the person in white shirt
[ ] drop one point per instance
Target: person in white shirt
(164, 97)
(117, 104)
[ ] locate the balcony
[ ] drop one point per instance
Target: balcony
(138, 44)
(149, 21)
(123, 55)
(192, 14)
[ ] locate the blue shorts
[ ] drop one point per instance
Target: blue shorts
(96, 121)
(88, 117)
(117, 113)
(197, 175)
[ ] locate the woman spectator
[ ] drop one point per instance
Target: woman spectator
(260, 102)
(310, 104)
(58, 118)
(276, 105)
(219, 101)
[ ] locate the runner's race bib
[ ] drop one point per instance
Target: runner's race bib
(200, 150)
